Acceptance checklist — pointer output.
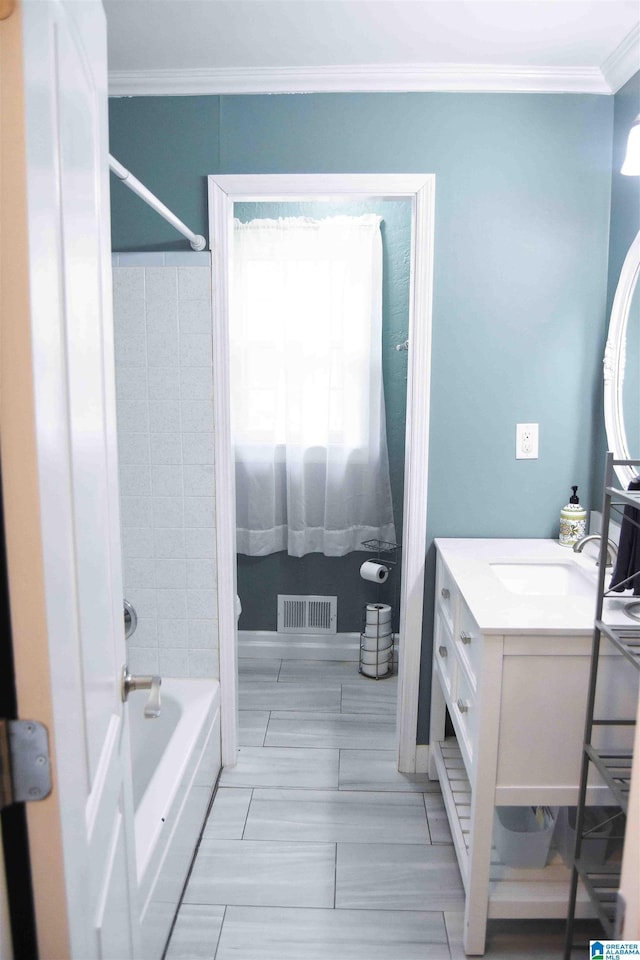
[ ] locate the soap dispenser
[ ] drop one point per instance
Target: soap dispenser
(573, 521)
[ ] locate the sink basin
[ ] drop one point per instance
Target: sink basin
(544, 578)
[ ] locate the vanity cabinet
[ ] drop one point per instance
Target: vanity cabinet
(516, 698)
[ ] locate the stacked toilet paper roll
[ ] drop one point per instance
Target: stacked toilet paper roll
(377, 613)
(376, 640)
(376, 643)
(375, 664)
(376, 633)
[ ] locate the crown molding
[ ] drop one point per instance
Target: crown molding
(624, 62)
(362, 78)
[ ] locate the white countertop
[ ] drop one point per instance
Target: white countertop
(497, 610)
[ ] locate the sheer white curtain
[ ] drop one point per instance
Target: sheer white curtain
(312, 470)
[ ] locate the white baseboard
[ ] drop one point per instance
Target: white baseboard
(298, 646)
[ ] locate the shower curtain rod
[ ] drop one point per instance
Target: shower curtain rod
(196, 240)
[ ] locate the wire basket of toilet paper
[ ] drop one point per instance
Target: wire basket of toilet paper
(376, 636)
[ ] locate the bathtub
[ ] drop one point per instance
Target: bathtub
(175, 763)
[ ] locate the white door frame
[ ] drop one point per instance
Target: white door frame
(224, 191)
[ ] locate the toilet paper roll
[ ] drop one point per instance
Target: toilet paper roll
(371, 657)
(375, 670)
(381, 644)
(379, 630)
(374, 571)
(377, 613)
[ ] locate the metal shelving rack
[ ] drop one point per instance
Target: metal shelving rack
(614, 766)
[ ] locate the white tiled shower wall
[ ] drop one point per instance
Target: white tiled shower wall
(164, 389)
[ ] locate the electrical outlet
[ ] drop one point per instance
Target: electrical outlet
(526, 441)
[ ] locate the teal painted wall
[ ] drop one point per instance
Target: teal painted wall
(523, 184)
(171, 144)
(261, 579)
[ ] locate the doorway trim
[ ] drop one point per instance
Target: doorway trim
(224, 191)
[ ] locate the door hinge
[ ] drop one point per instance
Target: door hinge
(25, 767)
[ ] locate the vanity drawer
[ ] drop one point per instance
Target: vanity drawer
(444, 656)
(469, 644)
(463, 714)
(446, 594)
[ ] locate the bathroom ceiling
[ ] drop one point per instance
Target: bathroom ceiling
(269, 46)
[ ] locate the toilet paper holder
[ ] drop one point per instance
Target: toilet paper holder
(385, 551)
(386, 554)
(377, 657)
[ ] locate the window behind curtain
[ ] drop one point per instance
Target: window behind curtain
(312, 469)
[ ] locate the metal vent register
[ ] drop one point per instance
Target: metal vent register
(298, 614)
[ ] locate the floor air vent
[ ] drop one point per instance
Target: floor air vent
(307, 614)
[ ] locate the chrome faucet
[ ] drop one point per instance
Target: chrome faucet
(129, 683)
(130, 619)
(612, 548)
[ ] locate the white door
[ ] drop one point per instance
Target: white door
(88, 851)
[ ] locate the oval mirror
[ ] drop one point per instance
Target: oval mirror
(622, 368)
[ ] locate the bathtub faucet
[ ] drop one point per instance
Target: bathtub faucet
(129, 683)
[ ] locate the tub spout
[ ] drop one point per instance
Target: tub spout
(129, 683)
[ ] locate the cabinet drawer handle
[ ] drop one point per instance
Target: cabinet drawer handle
(462, 706)
(465, 637)
(445, 594)
(442, 650)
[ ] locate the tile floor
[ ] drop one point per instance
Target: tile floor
(316, 848)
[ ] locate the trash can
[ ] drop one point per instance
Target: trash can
(598, 824)
(522, 835)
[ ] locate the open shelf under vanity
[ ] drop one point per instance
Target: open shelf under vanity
(513, 893)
